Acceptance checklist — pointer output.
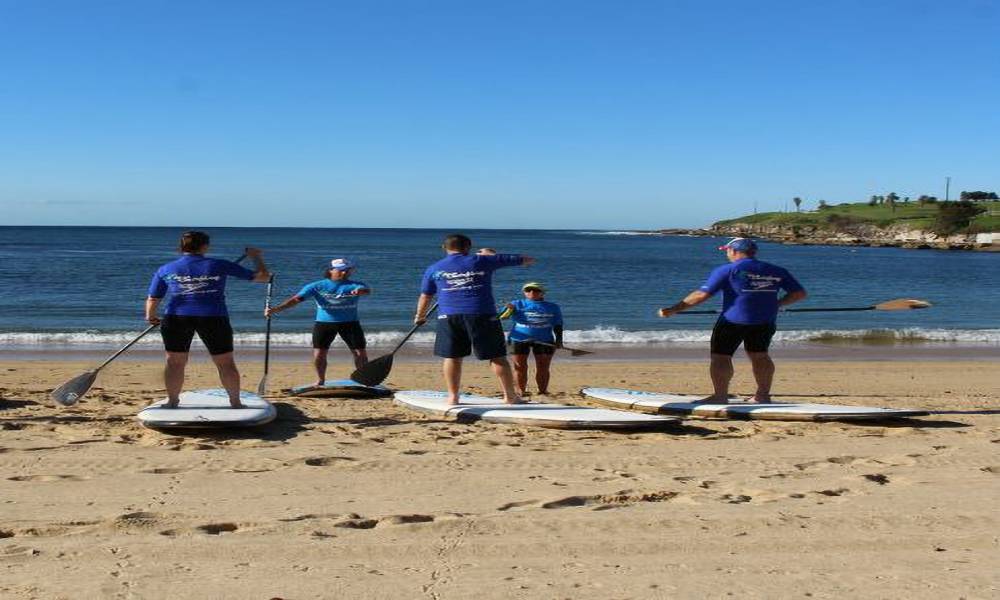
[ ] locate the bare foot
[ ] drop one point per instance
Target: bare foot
(515, 401)
(171, 404)
(320, 383)
(759, 399)
(712, 400)
(452, 401)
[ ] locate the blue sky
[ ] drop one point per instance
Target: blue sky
(534, 114)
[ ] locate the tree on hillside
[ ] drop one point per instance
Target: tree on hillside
(953, 217)
(978, 196)
(798, 203)
(823, 204)
(873, 201)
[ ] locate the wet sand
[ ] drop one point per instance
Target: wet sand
(363, 498)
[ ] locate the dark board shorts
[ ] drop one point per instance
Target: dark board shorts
(177, 332)
(350, 331)
(727, 337)
(460, 335)
(529, 347)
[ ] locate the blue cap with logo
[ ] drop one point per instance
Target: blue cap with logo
(740, 245)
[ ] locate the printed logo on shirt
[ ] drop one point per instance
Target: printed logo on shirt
(193, 284)
(459, 280)
(754, 282)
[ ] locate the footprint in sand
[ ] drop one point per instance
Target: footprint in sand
(991, 469)
(327, 461)
(217, 528)
(47, 478)
(877, 478)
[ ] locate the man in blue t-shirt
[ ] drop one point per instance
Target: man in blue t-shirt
(197, 304)
(538, 329)
(336, 297)
(467, 320)
(750, 305)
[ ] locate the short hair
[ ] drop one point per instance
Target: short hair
(193, 241)
(457, 242)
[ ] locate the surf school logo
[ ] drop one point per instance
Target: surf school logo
(459, 280)
(193, 284)
(755, 282)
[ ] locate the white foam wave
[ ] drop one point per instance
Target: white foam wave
(612, 336)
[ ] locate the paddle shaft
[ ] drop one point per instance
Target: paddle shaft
(267, 334)
(414, 329)
(837, 309)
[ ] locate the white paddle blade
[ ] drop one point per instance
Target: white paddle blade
(903, 304)
(262, 386)
(68, 393)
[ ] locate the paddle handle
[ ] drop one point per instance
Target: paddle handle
(414, 329)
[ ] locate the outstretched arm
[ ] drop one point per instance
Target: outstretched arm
(693, 299)
(283, 306)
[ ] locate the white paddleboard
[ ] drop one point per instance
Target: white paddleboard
(678, 404)
(342, 388)
(493, 410)
(209, 408)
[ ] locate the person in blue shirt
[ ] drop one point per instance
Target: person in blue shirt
(751, 297)
(467, 319)
(535, 320)
(197, 304)
(336, 297)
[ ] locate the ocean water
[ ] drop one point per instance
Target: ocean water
(85, 286)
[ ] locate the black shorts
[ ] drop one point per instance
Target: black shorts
(727, 337)
(458, 335)
(350, 331)
(529, 347)
(178, 331)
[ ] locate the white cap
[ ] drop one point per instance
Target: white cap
(343, 264)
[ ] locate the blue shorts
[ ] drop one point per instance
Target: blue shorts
(459, 335)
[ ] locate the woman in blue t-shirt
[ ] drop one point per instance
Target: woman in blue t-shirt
(538, 329)
(336, 297)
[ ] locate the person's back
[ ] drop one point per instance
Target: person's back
(196, 285)
(464, 282)
(750, 290)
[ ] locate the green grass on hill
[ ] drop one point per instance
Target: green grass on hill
(834, 216)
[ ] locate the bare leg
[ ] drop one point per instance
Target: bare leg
(501, 368)
(452, 369)
(360, 358)
(319, 363)
(543, 372)
(521, 372)
(173, 376)
(763, 373)
(229, 375)
(721, 371)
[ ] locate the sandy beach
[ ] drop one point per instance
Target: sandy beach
(362, 498)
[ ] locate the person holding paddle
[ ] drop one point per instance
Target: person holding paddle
(468, 321)
(336, 297)
(750, 303)
(538, 329)
(197, 304)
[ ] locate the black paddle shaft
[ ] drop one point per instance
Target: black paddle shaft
(267, 335)
(838, 309)
(414, 329)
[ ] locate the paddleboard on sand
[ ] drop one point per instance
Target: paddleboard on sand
(209, 408)
(493, 410)
(341, 388)
(678, 404)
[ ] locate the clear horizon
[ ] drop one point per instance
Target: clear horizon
(561, 115)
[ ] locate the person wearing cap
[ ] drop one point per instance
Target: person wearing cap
(750, 302)
(538, 329)
(336, 297)
(196, 285)
(467, 320)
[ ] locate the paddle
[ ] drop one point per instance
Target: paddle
(572, 351)
(262, 386)
(68, 393)
(375, 372)
(898, 304)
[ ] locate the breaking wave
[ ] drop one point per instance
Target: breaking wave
(608, 336)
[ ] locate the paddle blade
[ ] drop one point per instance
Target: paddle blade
(374, 372)
(68, 393)
(575, 352)
(262, 386)
(903, 304)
